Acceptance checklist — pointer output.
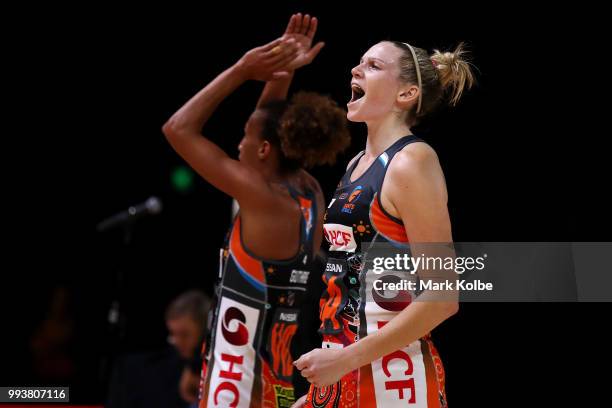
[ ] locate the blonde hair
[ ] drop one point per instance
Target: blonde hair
(454, 71)
(443, 74)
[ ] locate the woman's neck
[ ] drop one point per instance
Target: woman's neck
(384, 133)
(277, 175)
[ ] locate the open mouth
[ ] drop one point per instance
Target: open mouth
(357, 92)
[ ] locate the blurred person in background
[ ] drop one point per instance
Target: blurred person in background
(168, 377)
(186, 319)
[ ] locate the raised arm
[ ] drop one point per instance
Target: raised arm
(184, 129)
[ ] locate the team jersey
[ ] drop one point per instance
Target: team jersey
(355, 219)
(247, 358)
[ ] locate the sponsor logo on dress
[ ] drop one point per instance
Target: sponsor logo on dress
(287, 317)
(350, 205)
(340, 237)
(234, 356)
(298, 276)
(333, 267)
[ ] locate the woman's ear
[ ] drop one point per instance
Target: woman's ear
(264, 150)
(407, 95)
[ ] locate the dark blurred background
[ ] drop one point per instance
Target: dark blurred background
(95, 85)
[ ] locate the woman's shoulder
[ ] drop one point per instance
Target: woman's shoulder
(307, 185)
(305, 182)
(415, 160)
(415, 154)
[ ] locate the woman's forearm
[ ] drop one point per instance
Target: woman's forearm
(412, 323)
(195, 113)
(275, 90)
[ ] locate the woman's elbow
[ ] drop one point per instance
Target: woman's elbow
(173, 129)
(169, 129)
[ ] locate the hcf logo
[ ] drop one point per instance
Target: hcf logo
(232, 378)
(240, 337)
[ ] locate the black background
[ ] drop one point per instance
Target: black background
(93, 87)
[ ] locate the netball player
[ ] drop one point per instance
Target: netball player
(268, 258)
(376, 353)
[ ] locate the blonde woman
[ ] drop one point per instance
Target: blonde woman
(380, 354)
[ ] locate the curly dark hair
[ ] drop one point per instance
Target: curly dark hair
(309, 130)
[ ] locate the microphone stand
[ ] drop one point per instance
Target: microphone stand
(116, 320)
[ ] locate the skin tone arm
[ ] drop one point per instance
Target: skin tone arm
(273, 63)
(184, 129)
(414, 172)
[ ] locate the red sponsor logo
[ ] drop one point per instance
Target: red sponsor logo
(340, 237)
(241, 335)
(230, 374)
(402, 384)
(232, 371)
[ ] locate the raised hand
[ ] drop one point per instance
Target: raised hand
(303, 29)
(271, 61)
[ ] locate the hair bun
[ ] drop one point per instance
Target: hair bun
(454, 71)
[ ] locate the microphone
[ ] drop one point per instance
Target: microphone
(152, 206)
